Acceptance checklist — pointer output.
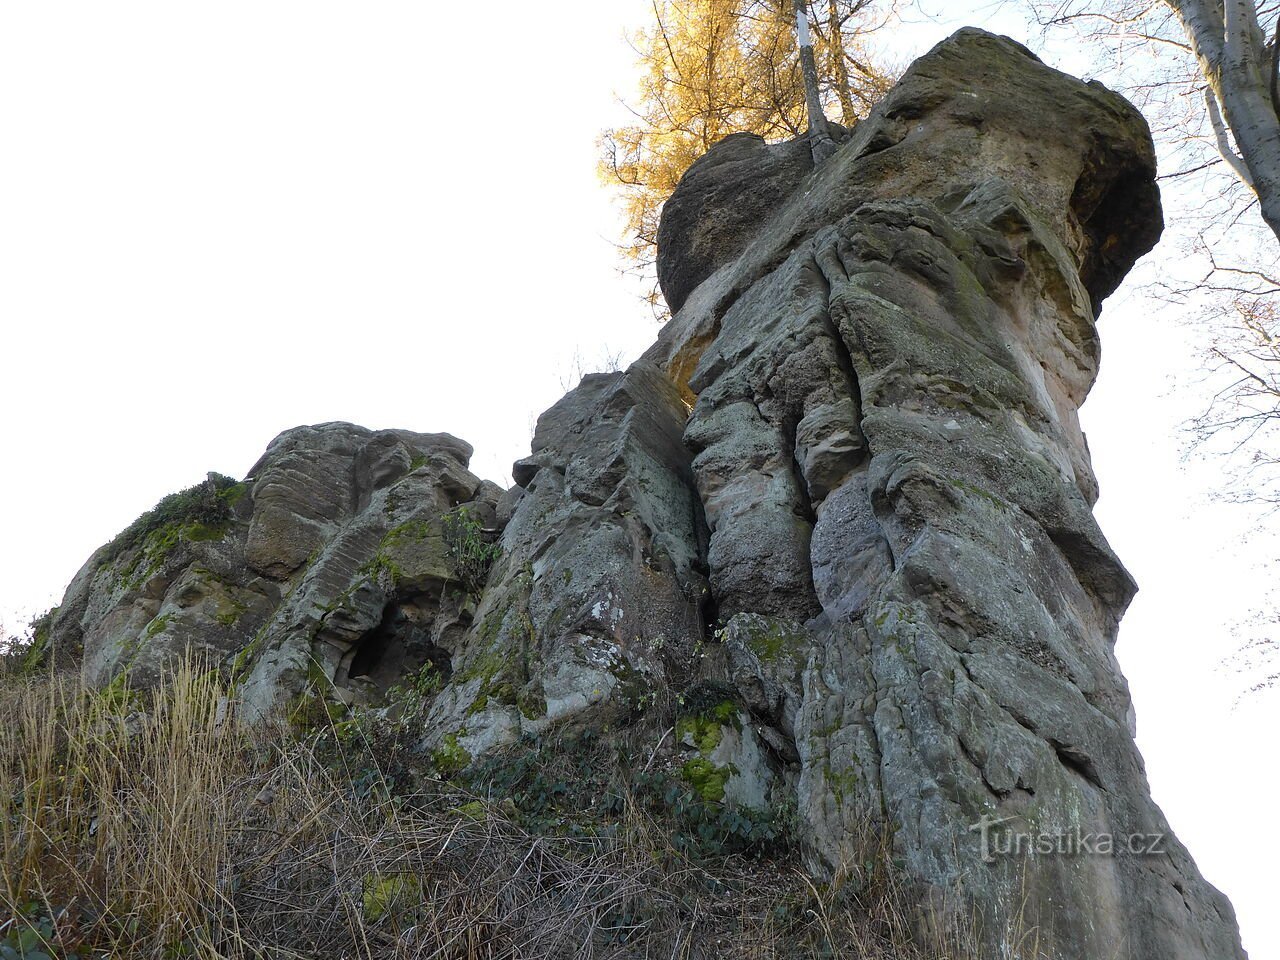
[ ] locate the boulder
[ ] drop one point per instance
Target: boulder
(599, 597)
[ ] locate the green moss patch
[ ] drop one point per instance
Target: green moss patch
(451, 757)
(772, 639)
(706, 778)
(705, 730)
(202, 512)
(156, 627)
(390, 895)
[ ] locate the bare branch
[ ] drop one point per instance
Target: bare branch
(1223, 141)
(1196, 169)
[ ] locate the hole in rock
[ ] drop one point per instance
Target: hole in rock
(399, 645)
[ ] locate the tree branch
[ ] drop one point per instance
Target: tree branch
(1189, 171)
(1223, 141)
(1248, 374)
(1275, 70)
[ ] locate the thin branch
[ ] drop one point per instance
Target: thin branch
(1224, 142)
(1248, 374)
(1184, 173)
(1238, 271)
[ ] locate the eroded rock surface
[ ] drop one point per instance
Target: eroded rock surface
(844, 505)
(598, 597)
(885, 383)
(328, 561)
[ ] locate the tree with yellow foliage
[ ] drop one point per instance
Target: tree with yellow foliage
(710, 68)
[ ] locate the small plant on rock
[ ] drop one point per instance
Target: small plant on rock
(469, 549)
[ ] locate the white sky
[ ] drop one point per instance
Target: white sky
(218, 221)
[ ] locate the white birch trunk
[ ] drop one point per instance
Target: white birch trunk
(1228, 43)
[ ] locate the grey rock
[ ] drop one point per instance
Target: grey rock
(845, 497)
(330, 570)
(723, 198)
(737, 756)
(598, 597)
(766, 659)
(884, 379)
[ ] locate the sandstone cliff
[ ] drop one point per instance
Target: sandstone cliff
(845, 499)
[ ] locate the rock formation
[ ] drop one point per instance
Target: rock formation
(330, 556)
(847, 486)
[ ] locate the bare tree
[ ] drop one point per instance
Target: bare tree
(1233, 65)
(1258, 658)
(1242, 417)
(1206, 79)
(1240, 92)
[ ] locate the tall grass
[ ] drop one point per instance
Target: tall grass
(153, 824)
(121, 805)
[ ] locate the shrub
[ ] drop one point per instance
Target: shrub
(30, 652)
(206, 505)
(469, 549)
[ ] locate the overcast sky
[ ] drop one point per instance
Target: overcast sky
(218, 221)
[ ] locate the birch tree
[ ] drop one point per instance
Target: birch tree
(1239, 69)
(1224, 55)
(1204, 74)
(821, 142)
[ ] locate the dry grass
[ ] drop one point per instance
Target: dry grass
(153, 825)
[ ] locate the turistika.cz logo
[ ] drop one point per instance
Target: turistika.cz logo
(999, 839)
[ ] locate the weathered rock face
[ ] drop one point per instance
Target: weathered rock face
(846, 492)
(886, 379)
(597, 598)
(330, 557)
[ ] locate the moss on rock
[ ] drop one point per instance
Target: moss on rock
(451, 757)
(706, 778)
(201, 512)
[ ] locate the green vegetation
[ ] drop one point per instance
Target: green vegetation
(532, 701)
(381, 566)
(704, 732)
(231, 612)
(450, 758)
(577, 786)
(413, 697)
(706, 778)
(403, 551)
(469, 550)
(411, 531)
(502, 671)
(28, 654)
(977, 491)
(770, 639)
(394, 894)
(156, 627)
(502, 692)
(202, 512)
(338, 840)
